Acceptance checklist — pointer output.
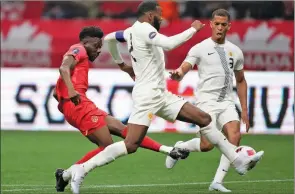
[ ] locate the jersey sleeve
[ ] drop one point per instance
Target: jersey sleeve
(240, 61)
(78, 52)
(151, 36)
(193, 56)
(112, 40)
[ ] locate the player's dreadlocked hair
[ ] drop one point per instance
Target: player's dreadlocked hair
(221, 12)
(146, 6)
(90, 31)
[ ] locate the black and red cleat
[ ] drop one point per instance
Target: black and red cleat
(60, 183)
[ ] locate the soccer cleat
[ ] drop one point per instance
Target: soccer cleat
(250, 163)
(218, 187)
(170, 160)
(78, 175)
(60, 183)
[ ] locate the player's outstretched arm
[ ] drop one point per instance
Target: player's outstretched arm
(112, 40)
(192, 58)
(180, 72)
(151, 36)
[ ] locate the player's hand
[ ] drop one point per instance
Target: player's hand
(132, 75)
(197, 25)
(245, 120)
(176, 75)
(75, 97)
(130, 72)
(128, 69)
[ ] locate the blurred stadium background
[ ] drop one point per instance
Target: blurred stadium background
(36, 34)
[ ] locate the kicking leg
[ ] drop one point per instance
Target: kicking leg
(194, 145)
(109, 154)
(117, 128)
(192, 114)
(135, 135)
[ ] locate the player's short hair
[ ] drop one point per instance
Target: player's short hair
(221, 12)
(90, 31)
(146, 6)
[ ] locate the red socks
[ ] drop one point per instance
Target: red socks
(90, 155)
(147, 142)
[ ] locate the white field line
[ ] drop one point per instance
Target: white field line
(51, 187)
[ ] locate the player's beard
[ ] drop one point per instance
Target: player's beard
(157, 23)
(92, 56)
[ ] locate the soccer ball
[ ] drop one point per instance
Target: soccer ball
(245, 151)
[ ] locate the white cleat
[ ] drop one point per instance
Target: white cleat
(218, 187)
(78, 175)
(250, 163)
(170, 162)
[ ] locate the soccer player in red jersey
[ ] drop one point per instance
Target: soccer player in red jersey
(82, 113)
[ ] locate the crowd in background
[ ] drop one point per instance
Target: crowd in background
(172, 10)
(273, 28)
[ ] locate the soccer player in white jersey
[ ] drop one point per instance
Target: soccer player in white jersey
(149, 94)
(217, 60)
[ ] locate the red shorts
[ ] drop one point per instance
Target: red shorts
(86, 116)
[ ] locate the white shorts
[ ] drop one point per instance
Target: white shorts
(155, 102)
(221, 112)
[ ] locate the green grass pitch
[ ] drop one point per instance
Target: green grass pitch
(29, 159)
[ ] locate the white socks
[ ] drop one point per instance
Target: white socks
(222, 169)
(109, 154)
(165, 149)
(192, 145)
(66, 175)
(219, 140)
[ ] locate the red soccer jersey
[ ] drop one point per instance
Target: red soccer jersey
(79, 74)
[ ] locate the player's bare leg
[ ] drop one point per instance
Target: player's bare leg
(117, 128)
(131, 143)
(100, 137)
(192, 114)
(109, 154)
(232, 132)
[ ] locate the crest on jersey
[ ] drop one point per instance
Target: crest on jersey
(94, 119)
(75, 51)
(230, 54)
(150, 116)
(152, 35)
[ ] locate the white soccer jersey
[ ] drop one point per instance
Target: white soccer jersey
(146, 46)
(149, 94)
(216, 64)
(148, 61)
